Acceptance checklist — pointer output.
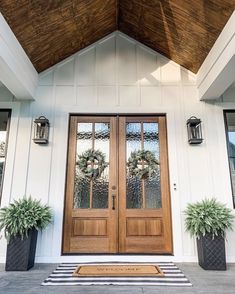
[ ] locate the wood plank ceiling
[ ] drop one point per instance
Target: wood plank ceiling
(182, 30)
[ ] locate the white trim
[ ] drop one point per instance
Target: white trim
(218, 70)
(16, 70)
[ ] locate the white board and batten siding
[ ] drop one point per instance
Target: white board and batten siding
(118, 75)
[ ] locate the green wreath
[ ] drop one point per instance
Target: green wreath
(142, 164)
(92, 163)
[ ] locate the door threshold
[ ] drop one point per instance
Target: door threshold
(117, 254)
(106, 258)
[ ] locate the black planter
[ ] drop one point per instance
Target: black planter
(21, 253)
(211, 252)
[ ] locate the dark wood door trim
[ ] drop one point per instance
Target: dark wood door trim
(69, 185)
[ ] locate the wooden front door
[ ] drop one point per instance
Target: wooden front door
(115, 209)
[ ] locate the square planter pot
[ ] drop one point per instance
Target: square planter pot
(211, 252)
(21, 253)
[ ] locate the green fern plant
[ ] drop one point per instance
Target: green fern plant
(208, 216)
(23, 215)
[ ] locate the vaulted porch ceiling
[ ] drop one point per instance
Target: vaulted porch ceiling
(182, 30)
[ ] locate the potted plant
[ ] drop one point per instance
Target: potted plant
(21, 221)
(208, 220)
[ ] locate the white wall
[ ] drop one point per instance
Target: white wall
(118, 75)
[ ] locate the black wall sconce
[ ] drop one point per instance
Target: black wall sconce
(41, 130)
(194, 129)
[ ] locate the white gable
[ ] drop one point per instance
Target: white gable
(114, 71)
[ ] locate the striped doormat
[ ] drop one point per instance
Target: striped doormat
(63, 276)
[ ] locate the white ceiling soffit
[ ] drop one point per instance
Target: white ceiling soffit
(217, 72)
(16, 70)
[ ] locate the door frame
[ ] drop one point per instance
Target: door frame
(134, 115)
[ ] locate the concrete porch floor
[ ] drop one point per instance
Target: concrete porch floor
(210, 282)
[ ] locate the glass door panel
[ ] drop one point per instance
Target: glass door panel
(142, 192)
(92, 192)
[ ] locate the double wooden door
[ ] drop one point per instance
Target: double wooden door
(118, 211)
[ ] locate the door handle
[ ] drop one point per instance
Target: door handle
(113, 198)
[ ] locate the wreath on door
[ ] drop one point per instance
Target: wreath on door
(142, 164)
(92, 163)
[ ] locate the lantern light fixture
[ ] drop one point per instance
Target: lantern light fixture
(41, 130)
(194, 129)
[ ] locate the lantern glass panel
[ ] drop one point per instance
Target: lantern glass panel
(194, 131)
(41, 130)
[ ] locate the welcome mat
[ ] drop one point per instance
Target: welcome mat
(63, 276)
(117, 270)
